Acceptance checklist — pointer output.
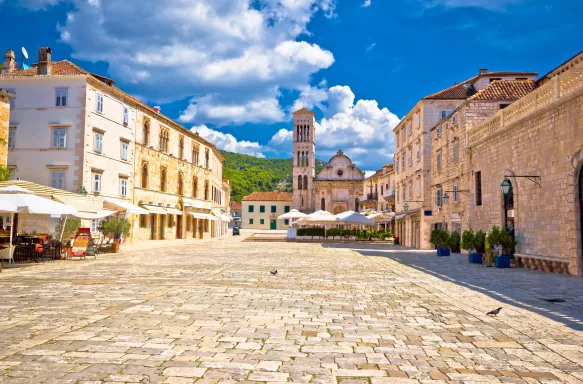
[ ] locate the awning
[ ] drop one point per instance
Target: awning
(220, 216)
(173, 211)
(399, 217)
(194, 203)
(155, 209)
(88, 204)
(125, 206)
(203, 216)
(92, 216)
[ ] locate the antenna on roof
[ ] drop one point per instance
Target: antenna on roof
(24, 57)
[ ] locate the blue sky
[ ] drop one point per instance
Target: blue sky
(234, 70)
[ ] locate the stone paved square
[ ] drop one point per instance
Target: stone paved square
(212, 313)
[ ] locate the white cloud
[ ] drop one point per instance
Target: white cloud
(228, 142)
(362, 129)
(371, 47)
(494, 5)
(237, 52)
(281, 141)
(368, 174)
(366, 3)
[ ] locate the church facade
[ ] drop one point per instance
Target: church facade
(337, 188)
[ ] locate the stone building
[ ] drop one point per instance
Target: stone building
(536, 146)
(450, 171)
(337, 187)
(74, 130)
(5, 98)
(261, 209)
(379, 190)
(413, 154)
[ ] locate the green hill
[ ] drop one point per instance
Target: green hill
(249, 174)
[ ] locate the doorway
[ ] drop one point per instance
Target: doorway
(162, 227)
(323, 204)
(509, 210)
(178, 227)
(272, 224)
(152, 227)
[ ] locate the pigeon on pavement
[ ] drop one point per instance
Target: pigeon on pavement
(494, 312)
(274, 272)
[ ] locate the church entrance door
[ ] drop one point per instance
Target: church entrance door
(339, 210)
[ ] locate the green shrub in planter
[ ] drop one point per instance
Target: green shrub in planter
(480, 242)
(468, 241)
(439, 238)
(454, 241)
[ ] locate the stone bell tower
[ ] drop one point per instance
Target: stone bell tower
(304, 157)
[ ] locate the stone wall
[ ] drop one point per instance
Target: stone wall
(546, 143)
(4, 122)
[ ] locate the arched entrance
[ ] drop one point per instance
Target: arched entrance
(323, 204)
(338, 210)
(581, 210)
(509, 210)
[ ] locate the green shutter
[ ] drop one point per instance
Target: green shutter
(251, 221)
(286, 209)
(286, 221)
(262, 208)
(251, 208)
(261, 221)
(273, 208)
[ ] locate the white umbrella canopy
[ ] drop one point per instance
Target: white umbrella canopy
(351, 217)
(293, 214)
(14, 189)
(6, 206)
(29, 203)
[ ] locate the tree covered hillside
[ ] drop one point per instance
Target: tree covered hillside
(249, 174)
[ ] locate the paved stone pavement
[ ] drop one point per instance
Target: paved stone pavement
(212, 313)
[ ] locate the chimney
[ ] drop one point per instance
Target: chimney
(483, 71)
(8, 65)
(45, 66)
(157, 108)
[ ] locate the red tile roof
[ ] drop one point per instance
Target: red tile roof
(236, 206)
(461, 92)
(304, 111)
(59, 68)
(269, 196)
(505, 90)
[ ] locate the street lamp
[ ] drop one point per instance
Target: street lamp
(505, 186)
(406, 207)
(83, 191)
(445, 197)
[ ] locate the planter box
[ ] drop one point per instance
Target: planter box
(443, 252)
(502, 261)
(475, 258)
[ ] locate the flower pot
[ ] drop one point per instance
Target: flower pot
(502, 261)
(475, 258)
(443, 252)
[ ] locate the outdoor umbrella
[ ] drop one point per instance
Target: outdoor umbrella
(321, 217)
(293, 214)
(7, 207)
(351, 217)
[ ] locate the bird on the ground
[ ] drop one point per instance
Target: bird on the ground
(494, 312)
(274, 272)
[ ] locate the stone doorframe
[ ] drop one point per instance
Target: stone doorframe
(576, 259)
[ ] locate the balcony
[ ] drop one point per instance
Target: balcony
(390, 193)
(372, 196)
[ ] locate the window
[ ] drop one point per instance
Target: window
(455, 194)
(262, 208)
(126, 115)
(456, 151)
(251, 208)
(410, 190)
(273, 208)
(416, 121)
(438, 196)
(95, 223)
(454, 119)
(251, 221)
(397, 195)
(146, 132)
(96, 182)
(439, 160)
(418, 151)
(418, 188)
(404, 189)
(445, 113)
(145, 175)
(11, 136)
(410, 158)
(164, 140)
(143, 221)
(206, 190)
(438, 130)
(124, 150)
(410, 127)
(97, 141)
(12, 101)
(403, 164)
(99, 103)
(123, 187)
(180, 184)
(286, 222)
(59, 138)
(478, 179)
(286, 209)
(58, 179)
(397, 165)
(195, 154)
(181, 148)
(61, 97)
(207, 159)
(170, 221)
(163, 179)
(261, 221)
(502, 106)
(382, 188)
(195, 187)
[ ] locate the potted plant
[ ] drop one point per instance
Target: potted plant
(507, 243)
(115, 228)
(440, 239)
(469, 243)
(454, 242)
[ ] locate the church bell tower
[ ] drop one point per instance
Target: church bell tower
(304, 158)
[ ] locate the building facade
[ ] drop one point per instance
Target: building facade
(74, 130)
(379, 190)
(451, 174)
(413, 154)
(5, 99)
(261, 209)
(536, 146)
(337, 187)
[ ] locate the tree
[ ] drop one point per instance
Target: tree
(4, 173)
(115, 227)
(70, 227)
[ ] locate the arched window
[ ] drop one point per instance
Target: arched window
(207, 159)
(206, 190)
(323, 204)
(180, 184)
(300, 182)
(195, 187)
(164, 139)
(195, 154)
(307, 159)
(163, 179)
(305, 181)
(146, 132)
(181, 148)
(357, 205)
(299, 156)
(301, 201)
(145, 175)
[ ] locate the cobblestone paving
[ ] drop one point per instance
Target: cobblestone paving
(212, 313)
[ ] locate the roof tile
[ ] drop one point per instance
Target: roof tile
(505, 90)
(304, 111)
(268, 196)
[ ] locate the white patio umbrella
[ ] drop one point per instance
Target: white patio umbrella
(321, 217)
(7, 207)
(293, 214)
(351, 217)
